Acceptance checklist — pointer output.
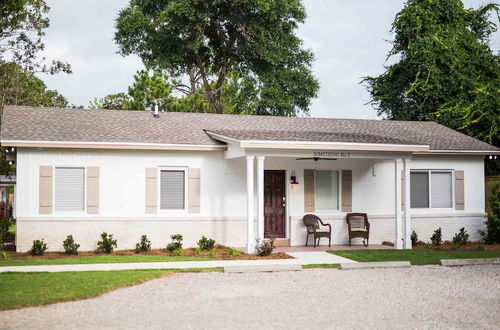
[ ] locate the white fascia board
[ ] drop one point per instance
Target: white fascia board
(109, 145)
(463, 152)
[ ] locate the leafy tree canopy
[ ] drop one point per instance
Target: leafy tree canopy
(445, 69)
(202, 43)
(22, 25)
(148, 89)
(19, 86)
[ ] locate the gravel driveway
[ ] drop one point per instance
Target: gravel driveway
(420, 297)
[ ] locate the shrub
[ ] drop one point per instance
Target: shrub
(106, 243)
(5, 255)
(414, 238)
(197, 250)
(479, 246)
(206, 243)
(427, 245)
(461, 237)
(437, 237)
(38, 248)
(491, 234)
(265, 247)
(4, 228)
(232, 252)
(144, 245)
(176, 244)
(69, 245)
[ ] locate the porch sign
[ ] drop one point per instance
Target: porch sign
(331, 154)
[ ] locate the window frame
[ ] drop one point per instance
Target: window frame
(186, 187)
(84, 209)
(429, 178)
(339, 183)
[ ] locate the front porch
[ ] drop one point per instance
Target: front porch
(336, 247)
(286, 181)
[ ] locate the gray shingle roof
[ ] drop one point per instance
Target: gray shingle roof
(82, 125)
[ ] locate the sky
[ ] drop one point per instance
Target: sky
(350, 40)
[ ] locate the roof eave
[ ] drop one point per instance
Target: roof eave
(318, 145)
(110, 145)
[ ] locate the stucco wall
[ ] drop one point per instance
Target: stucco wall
(223, 198)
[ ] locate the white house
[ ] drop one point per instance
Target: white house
(229, 177)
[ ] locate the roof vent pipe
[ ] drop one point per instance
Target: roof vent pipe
(156, 115)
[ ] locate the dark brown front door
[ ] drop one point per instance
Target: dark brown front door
(274, 203)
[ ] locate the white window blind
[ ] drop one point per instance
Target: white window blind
(431, 189)
(419, 189)
(441, 195)
(172, 189)
(69, 189)
(327, 192)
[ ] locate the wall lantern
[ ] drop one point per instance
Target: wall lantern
(293, 180)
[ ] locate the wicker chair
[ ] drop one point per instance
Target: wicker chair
(358, 226)
(312, 223)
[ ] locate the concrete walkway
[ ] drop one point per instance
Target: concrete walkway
(301, 258)
(320, 257)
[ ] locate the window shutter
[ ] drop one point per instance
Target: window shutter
(151, 190)
(92, 189)
(402, 190)
(45, 190)
(346, 190)
(459, 190)
(194, 190)
(309, 191)
(69, 187)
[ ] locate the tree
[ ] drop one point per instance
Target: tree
(445, 69)
(22, 25)
(201, 43)
(118, 101)
(148, 89)
(19, 86)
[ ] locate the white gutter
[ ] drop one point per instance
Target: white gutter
(109, 145)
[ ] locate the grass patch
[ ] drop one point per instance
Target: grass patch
(101, 259)
(320, 266)
(31, 289)
(414, 256)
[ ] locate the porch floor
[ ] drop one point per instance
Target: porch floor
(302, 248)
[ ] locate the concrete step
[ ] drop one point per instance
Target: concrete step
(367, 265)
(263, 268)
(281, 242)
(469, 262)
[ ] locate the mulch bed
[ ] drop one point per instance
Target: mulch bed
(220, 254)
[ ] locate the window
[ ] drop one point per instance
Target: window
(69, 189)
(172, 189)
(327, 190)
(431, 189)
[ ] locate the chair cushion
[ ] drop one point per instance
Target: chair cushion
(358, 229)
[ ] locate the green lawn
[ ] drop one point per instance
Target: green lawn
(414, 256)
(30, 289)
(97, 260)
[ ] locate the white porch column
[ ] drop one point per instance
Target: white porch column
(260, 196)
(407, 219)
(398, 244)
(250, 199)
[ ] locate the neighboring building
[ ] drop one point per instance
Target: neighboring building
(228, 177)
